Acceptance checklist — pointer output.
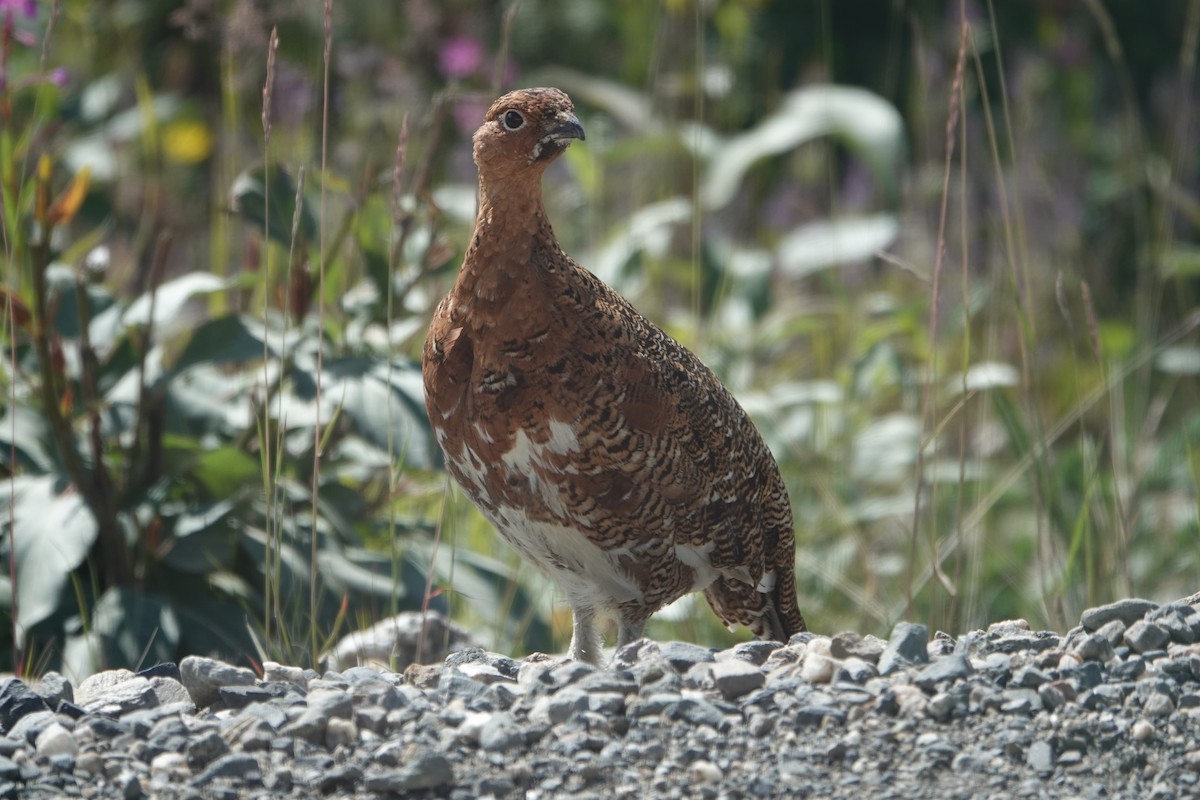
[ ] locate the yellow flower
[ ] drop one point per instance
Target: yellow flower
(187, 141)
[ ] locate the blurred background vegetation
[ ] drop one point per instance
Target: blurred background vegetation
(944, 252)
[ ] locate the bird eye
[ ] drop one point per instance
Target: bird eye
(512, 120)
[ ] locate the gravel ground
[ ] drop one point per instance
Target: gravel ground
(1109, 710)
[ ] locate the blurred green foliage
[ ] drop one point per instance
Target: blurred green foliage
(768, 179)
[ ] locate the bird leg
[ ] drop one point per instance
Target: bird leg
(629, 630)
(585, 638)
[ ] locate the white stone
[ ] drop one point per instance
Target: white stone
(817, 668)
(704, 773)
(56, 740)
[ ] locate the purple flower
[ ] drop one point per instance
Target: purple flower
(460, 56)
(26, 7)
(60, 76)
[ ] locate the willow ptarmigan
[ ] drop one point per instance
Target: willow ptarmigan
(599, 447)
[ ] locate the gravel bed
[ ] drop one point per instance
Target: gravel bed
(1109, 710)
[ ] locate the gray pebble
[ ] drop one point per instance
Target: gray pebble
(906, 646)
(500, 734)
(944, 670)
(1145, 636)
(736, 678)
(204, 677)
(422, 770)
(1040, 757)
(1126, 611)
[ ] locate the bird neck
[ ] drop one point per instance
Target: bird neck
(510, 251)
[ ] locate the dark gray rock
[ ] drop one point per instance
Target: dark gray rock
(167, 669)
(454, 685)
(204, 677)
(1095, 647)
(27, 728)
(816, 714)
(683, 655)
(755, 652)
(635, 653)
(423, 770)
(1102, 696)
(340, 777)
(565, 704)
(17, 700)
(1052, 694)
(736, 678)
(1181, 621)
(1127, 611)
(203, 748)
(946, 669)
(1144, 636)
(1021, 701)
(906, 647)
(144, 721)
(699, 711)
(609, 681)
(855, 670)
(1129, 669)
(1028, 678)
(1084, 676)
(853, 645)
(54, 689)
(242, 766)
(500, 734)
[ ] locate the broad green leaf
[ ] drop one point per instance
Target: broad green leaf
(53, 530)
(864, 122)
(60, 280)
(649, 230)
(1181, 262)
(26, 430)
(206, 400)
(226, 340)
(202, 539)
(169, 300)
(224, 471)
(360, 572)
(257, 187)
(134, 629)
(211, 624)
(828, 243)
(384, 402)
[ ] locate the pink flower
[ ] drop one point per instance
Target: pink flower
(460, 56)
(26, 7)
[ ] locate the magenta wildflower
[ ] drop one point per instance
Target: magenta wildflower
(460, 56)
(26, 7)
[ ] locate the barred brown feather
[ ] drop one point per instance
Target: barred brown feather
(604, 451)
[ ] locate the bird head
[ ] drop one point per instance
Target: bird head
(523, 132)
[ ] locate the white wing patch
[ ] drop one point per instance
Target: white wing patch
(698, 559)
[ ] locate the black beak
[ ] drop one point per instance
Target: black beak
(568, 127)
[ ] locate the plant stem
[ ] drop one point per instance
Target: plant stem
(113, 553)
